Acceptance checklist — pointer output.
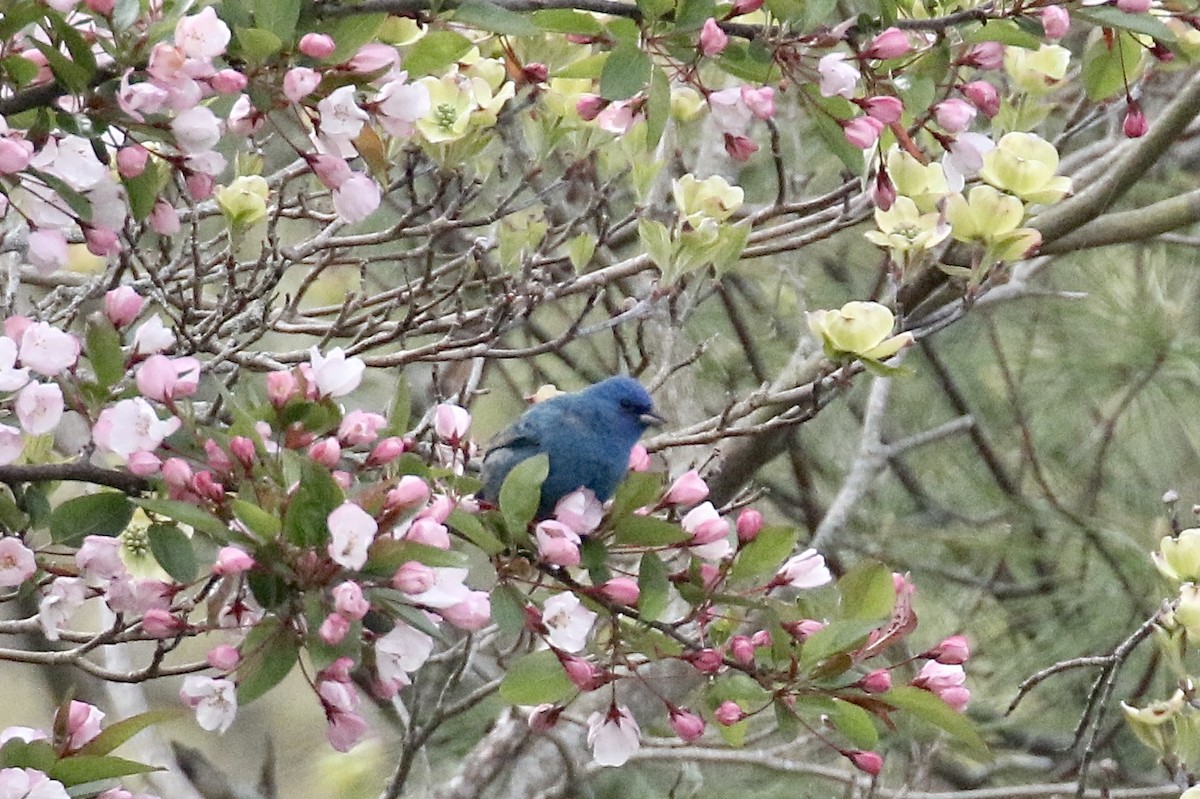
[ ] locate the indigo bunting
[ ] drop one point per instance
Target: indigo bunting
(588, 436)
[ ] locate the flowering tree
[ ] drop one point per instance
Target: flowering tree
(222, 222)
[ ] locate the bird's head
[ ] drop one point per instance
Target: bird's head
(629, 398)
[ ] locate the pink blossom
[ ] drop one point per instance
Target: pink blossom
(357, 197)
(136, 597)
(1134, 6)
(613, 736)
(589, 106)
(281, 387)
(65, 596)
(244, 450)
(122, 305)
(316, 45)
(374, 57)
(131, 426)
(964, 158)
(47, 251)
(26, 734)
(953, 651)
(583, 675)
(232, 560)
(617, 118)
(429, 531)
(761, 101)
(228, 81)
(134, 99)
(877, 682)
(741, 7)
(580, 511)
(326, 451)
(639, 458)
(164, 219)
(72, 159)
(159, 623)
(341, 117)
(867, 762)
(741, 649)
(1056, 21)
(152, 336)
(163, 379)
(28, 783)
(712, 39)
(11, 378)
(400, 104)
(411, 490)
(985, 55)
(206, 486)
(335, 375)
(740, 148)
(224, 657)
(806, 570)
(197, 129)
(1134, 125)
(568, 622)
(938, 677)
(954, 115)
(131, 160)
(39, 408)
(15, 154)
(729, 111)
(299, 82)
(12, 444)
(862, 132)
(349, 601)
(215, 701)
(401, 652)
(983, 96)
(557, 544)
(244, 119)
(352, 530)
(143, 464)
(17, 563)
(360, 427)
(472, 614)
(101, 241)
(387, 451)
(451, 422)
(414, 578)
(99, 558)
(837, 77)
(883, 107)
(686, 724)
(890, 43)
(202, 35)
(15, 326)
(749, 522)
(957, 698)
(729, 713)
(688, 489)
(345, 729)
(199, 185)
(544, 717)
(705, 525)
(329, 169)
(621, 589)
(334, 628)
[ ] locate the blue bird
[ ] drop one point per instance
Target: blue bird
(588, 436)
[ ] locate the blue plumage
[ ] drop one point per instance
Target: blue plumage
(588, 436)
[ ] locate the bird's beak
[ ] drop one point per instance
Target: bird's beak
(651, 419)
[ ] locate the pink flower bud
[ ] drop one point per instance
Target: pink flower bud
(1055, 22)
(868, 762)
(983, 96)
(621, 589)
(472, 614)
(349, 601)
(199, 185)
(387, 451)
(535, 72)
(342, 478)
(712, 39)
(102, 7)
(741, 649)
(802, 629)
(706, 661)
(891, 43)
(411, 490)
(688, 489)
(83, 723)
(164, 219)
(131, 160)
(101, 241)
(761, 101)
(957, 698)
(177, 473)
(740, 148)
(985, 55)
(589, 106)
(334, 629)
(760, 638)
(1135, 125)
(639, 459)
(316, 45)
(544, 717)
(686, 724)
(1134, 6)
(953, 651)
(729, 713)
(749, 522)
(745, 7)
(224, 657)
(243, 449)
(583, 675)
(281, 387)
(217, 457)
(885, 108)
(326, 452)
(414, 578)
(954, 115)
(374, 57)
(883, 190)
(159, 623)
(862, 132)
(143, 463)
(232, 560)
(122, 305)
(228, 81)
(876, 682)
(205, 485)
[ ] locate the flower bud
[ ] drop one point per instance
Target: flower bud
(686, 724)
(243, 449)
(159, 623)
(122, 305)
(985, 55)
(281, 387)
(228, 81)
(334, 629)
(1135, 125)
(224, 657)
(891, 43)
(741, 649)
(983, 96)
(749, 522)
(953, 651)
(232, 560)
(729, 713)
(877, 682)
(621, 589)
(584, 675)
(688, 489)
(954, 115)
(414, 578)
(205, 485)
(316, 45)
(326, 452)
(1055, 22)
(411, 490)
(589, 106)
(712, 39)
(706, 661)
(544, 717)
(386, 451)
(131, 160)
(868, 762)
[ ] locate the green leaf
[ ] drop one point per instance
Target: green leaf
(536, 678)
(269, 590)
(691, 14)
(306, 521)
(763, 556)
(186, 513)
(1006, 32)
(80, 769)
(655, 9)
(104, 351)
(119, 732)
(1112, 17)
(388, 554)
(658, 106)
(36, 754)
(508, 609)
(567, 20)
(144, 190)
(174, 552)
(268, 655)
(106, 513)
(867, 592)
(855, 723)
(277, 16)
(638, 490)
(929, 708)
(1106, 70)
(655, 239)
(652, 587)
(264, 524)
(401, 410)
(257, 44)
(20, 70)
(830, 133)
(435, 51)
(491, 17)
(625, 73)
(648, 531)
(521, 492)
(835, 638)
(469, 527)
(352, 32)
(748, 60)
(590, 67)
(593, 556)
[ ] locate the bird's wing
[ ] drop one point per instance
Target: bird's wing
(520, 441)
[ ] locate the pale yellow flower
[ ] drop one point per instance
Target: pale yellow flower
(244, 201)
(862, 329)
(709, 199)
(1024, 164)
(1037, 71)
